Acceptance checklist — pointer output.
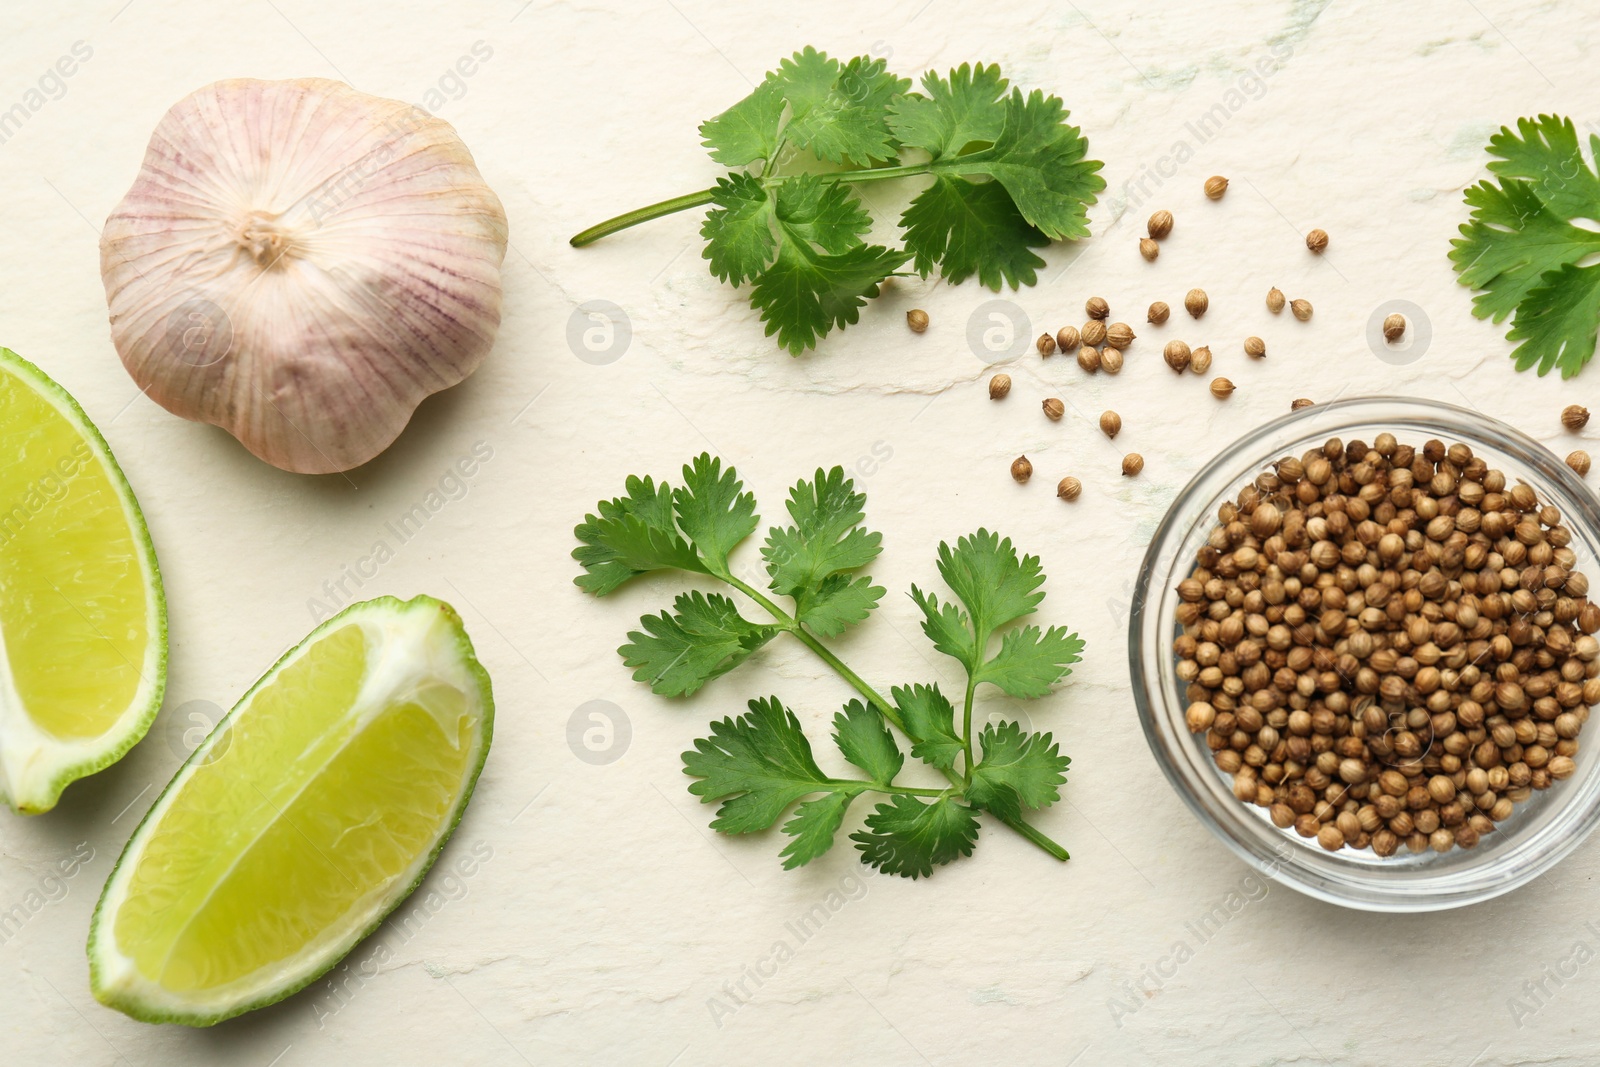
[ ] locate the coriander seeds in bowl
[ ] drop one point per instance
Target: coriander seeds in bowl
(1364, 653)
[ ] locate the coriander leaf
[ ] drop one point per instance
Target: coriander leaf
(1030, 661)
(907, 837)
(1510, 243)
(805, 294)
(995, 585)
(812, 827)
(749, 130)
(930, 723)
(840, 113)
(678, 653)
(631, 535)
(712, 509)
(864, 740)
(838, 603)
(740, 240)
(1556, 322)
(824, 213)
(826, 537)
(948, 628)
(757, 764)
(1017, 769)
(1545, 151)
(969, 228)
(967, 107)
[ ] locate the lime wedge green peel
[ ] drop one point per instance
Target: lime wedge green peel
(83, 663)
(311, 811)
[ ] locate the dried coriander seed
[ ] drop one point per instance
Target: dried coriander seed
(1296, 405)
(1177, 355)
(1221, 388)
(1067, 338)
(1045, 344)
(1158, 313)
(1132, 464)
(1216, 185)
(1054, 409)
(1093, 333)
(1196, 302)
(1089, 358)
(1149, 249)
(1275, 300)
(1110, 424)
(1119, 335)
(1111, 360)
(1394, 327)
(1317, 240)
(1579, 461)
(1301, 309)
(999, 386)
(1096, 307)
(1160, 225)
(917, 319)
(1574, 417)
(1069, 488)
(1200, 360)
(1255, 347)
(1021, 469)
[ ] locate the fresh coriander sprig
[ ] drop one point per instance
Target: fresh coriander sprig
(1010, 174)
(1521, 250)
(761, 763)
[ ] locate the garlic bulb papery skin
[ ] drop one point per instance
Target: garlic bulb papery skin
(301, 264)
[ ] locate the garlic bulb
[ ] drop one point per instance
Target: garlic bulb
(300, 264)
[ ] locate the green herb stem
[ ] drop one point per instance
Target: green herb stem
(966, 731)
(643, 214)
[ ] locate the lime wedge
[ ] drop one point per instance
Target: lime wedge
(83, 662)
(311, 811)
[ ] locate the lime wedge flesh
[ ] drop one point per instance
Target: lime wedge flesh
(309, 813)
(81, 608)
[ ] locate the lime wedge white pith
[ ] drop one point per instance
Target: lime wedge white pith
(307, 815)
(84, 652)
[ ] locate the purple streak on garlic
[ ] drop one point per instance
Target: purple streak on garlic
(301, 264)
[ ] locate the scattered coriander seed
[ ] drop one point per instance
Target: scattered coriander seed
(1221, 388)
(1160, 225)
(1089, 358)
(1093, 332)
(1394, 327)
(1296, 405)
(999, 386)
(1574, 417)
(1119, 335)
(1317, 240)
(1196, 302)
(1158, 312)
(1301, 309)
(1579, 461)
(1275, 300)
(1045, 344)
(1054, 409)
(917, 319)
(1110, 424)
(1021, 469)
(1200, 360)
(1132, 464)
(1255, 347)
(1067, 338)
(1096, 307)
(1111, 359)
(1177, 355)
(1069, 488)
(1149, 249)
(1216, 185)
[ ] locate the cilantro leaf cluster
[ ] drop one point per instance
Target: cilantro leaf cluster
(759, 767)
(1521, 249)
(1009, 175)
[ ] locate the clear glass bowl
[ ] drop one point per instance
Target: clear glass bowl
(1541, 831)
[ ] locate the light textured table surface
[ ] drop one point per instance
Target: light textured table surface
(603, 921)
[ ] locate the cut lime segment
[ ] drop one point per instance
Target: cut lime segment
(84, 656)
(310, 812)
